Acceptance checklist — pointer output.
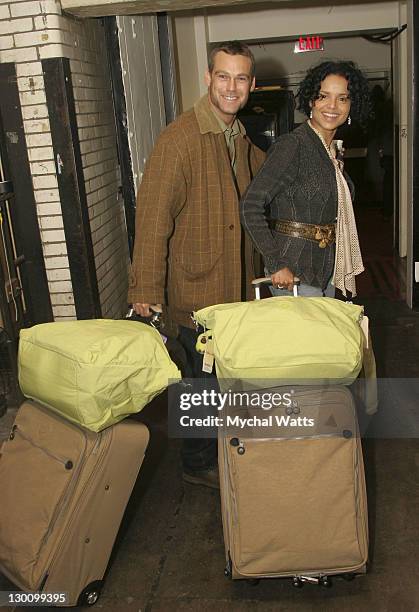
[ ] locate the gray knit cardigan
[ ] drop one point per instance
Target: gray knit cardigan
(297, 182)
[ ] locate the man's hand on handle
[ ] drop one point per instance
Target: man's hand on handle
(146, 310)
(283, 278)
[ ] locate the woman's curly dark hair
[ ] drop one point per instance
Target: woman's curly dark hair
(357, 86)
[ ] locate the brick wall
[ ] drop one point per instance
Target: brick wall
(29, 32)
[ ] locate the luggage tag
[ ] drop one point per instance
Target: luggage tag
(201, 343)
(364, 327)
(204, 345)
(208, 360)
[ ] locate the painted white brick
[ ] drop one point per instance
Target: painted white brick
(83, 121)
(89, 60)
(56, 263)
(39, 111)
(108, 142)
(107, 191)
(33, 68)
(50, 6)
(70, 39)
(95, 225)
(46, 209)
(89, 173)
(46, 196)
(16, 25)
(107, 240)
(92, 198)
(6, 42)
(93, 158)
(97, 135)
(54, 249)
(86, 146)
(55, 235)
(54, 22)
(97, 182)
(64, 313)
(32, 97)
(33, 127)
(39, 140)
(55, 51)
(75, 67)
(41, 154)
(29, 39)
(64, 299)
(89, 68)
(60, 287)
(108, 218)
(18, 55)
(58, 275)
(79, 80)
(30, 83)
(4, 12)
(48, 223)
(22, 9)
(44, 167)
(45, 182)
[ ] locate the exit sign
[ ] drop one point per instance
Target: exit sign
(308, 43)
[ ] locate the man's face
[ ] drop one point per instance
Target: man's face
(229, 84)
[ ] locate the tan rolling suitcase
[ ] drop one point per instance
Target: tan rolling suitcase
(293, 496)
(63, 494)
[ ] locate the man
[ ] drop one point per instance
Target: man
(189, 248)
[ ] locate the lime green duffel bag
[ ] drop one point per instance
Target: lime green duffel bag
(95, 372)
(306, 339)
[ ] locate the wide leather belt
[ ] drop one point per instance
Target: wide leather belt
(324, 235)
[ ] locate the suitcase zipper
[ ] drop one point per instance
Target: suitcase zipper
(68, 464)
(65, 496)
(86, 486)
(16, 429)
(239, 444)
(346, 433)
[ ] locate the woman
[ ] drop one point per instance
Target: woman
(298, 209)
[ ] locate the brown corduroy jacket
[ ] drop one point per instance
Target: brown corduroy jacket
(188, 245)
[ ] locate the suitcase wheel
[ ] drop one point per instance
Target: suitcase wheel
(325, 582)
(297, 582)
(348, 577)
(90, 594)
(228, 573)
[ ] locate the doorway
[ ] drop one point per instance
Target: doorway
(370, 155)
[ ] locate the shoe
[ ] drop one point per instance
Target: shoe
(206, 478)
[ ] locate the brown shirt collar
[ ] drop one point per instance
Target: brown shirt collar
(208, 121)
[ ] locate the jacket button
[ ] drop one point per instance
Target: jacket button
(231, 226)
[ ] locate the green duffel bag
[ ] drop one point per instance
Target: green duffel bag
(306, 339)
(95, 372)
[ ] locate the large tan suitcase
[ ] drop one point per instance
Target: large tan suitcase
(63, 494)
(293, 497)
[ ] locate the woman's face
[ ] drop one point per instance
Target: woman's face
(331, 109)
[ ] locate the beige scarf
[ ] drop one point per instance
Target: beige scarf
(348, 259)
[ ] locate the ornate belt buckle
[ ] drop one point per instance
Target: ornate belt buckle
(324, 236)
(321, 236)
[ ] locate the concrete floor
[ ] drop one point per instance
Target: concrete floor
(169, 555)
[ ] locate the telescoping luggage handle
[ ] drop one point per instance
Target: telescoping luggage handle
(258, 282)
